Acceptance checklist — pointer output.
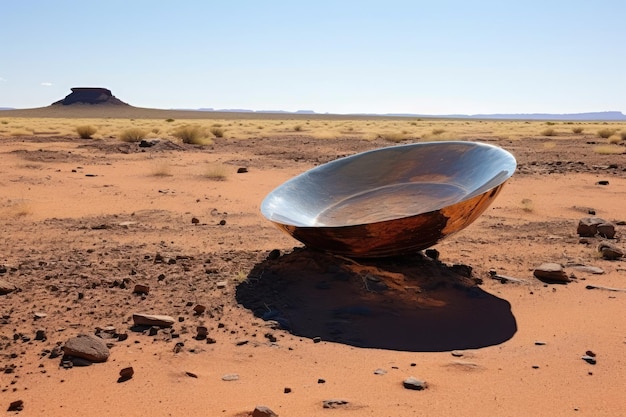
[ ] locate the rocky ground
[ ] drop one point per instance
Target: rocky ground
(95, 244)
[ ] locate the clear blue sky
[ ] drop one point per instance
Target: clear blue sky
(392, 56)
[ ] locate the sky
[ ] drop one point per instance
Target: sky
(339, 56)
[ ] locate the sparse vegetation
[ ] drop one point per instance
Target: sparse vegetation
(606, 133)
(615, 139)
(438, 131)
(191, 134)
(161, 169)
(134, 134)
(609, 149)
(169, 120)
(527, 205)
(86, 131)
(297, 128)
(216, 172)
(217, 131)
(548, 132)
(550, 123)
(578, 130)
(623, 135)
(392, 136)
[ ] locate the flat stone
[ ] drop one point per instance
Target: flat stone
(551, 272)
(230, 377)
(414, 384)
(589, 269)
(334, 403)
(142, 319)
(88, 347)
(263, 411)
(6, 287)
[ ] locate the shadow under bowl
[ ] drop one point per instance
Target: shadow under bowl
(390, 201)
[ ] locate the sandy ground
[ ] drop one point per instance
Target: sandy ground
(84, 221)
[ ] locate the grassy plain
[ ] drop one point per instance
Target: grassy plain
(115, 123)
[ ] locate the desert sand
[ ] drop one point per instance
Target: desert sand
(83, 222)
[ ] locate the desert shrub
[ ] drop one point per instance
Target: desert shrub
(438, 131)
(86, 131)
(622, 135)
(548, 132)
(606, 133)
(297, 128)
(550, 123)
(134, 134)
(392, 136)
(192, 134)
(216, 172)
(169, 120)
(615, 139)
(217, 131)
(577, 130)
(5, 122)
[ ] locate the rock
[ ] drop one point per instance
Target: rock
(199, 309)
(589, 359)
(221, 284)
(414, 384)
(242, 170)
(380, 371)
(126, 374)
(195, 220)
(609, 251)
(16, 406)
(87, 347)
(589, 269)
(457, 353)
(40, 335)
(230, 377)
(202, 332)
(263, 411)
(606, 230)
(141, 289)
(287, 390)
(6, 287)
(588, 226)
(551, 272)
(334, 403)
(142, 319)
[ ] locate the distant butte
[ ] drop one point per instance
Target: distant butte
(90, 95)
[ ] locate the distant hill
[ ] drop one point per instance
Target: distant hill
(7, 108)
(603, 115)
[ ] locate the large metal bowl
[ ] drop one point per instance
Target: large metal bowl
(390, 201)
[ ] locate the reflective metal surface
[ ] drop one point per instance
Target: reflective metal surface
(390, 201)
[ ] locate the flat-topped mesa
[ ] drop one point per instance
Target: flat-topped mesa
(90, 95)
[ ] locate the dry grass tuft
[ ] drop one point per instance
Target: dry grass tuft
(161, 169)
(394, 137)
(86, 131)
(609, 149)
(578, 130)
(134, 134)
(606, 133)
(217, 131)
(527, 205)
(216, 171)
(192, 134)
(548, 132)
